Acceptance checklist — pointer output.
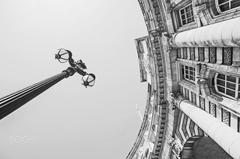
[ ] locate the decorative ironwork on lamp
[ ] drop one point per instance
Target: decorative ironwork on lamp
(89, 80)
(79, 66)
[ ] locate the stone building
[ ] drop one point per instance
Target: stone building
(190, 60)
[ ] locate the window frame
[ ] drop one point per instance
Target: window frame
(184, 75)
(228, 1)
(185, 14)
(237, 85)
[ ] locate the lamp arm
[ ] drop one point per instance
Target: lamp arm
(80, 71)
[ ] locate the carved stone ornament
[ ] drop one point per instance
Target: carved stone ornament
(202, 81)
(176, 146)
(203, 70)
(173, 100)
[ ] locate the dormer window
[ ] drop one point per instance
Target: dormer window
(186, 14)
(224, 5)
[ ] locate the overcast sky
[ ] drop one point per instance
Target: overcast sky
(68, 120)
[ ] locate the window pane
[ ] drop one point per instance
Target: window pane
(231, 86)
(224, 7)
(191, 73)
(235, 3)
(188, 8)
(183, 17)
(230, 93)
(221, 83)
(188, 14)
(182, 11)
(231, 78)
(221, 89)
(221, 76)
(222, 1)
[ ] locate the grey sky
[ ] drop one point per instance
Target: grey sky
(69, 121)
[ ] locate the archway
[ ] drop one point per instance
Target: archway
(202, 147)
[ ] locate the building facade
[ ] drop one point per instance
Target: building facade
(190, 60)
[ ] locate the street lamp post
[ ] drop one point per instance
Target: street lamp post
(13, 101)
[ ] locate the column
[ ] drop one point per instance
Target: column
(223, 135)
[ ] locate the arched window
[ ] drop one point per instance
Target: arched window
(224, 5)
(227, 85)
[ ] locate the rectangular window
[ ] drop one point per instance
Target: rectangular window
(213, 109)
(227, 55)
(193, 98)
(186, 15)
(202, 103)
(188, 73)
(235, 3)
(226, 117)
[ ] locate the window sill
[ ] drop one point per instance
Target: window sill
(188, 26)
(188, 84)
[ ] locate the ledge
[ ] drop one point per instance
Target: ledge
(222, 34)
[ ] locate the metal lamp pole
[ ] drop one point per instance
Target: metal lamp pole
(13, 101)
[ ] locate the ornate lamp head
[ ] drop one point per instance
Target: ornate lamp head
(89, 80)
(79, 66)
(63, 55)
